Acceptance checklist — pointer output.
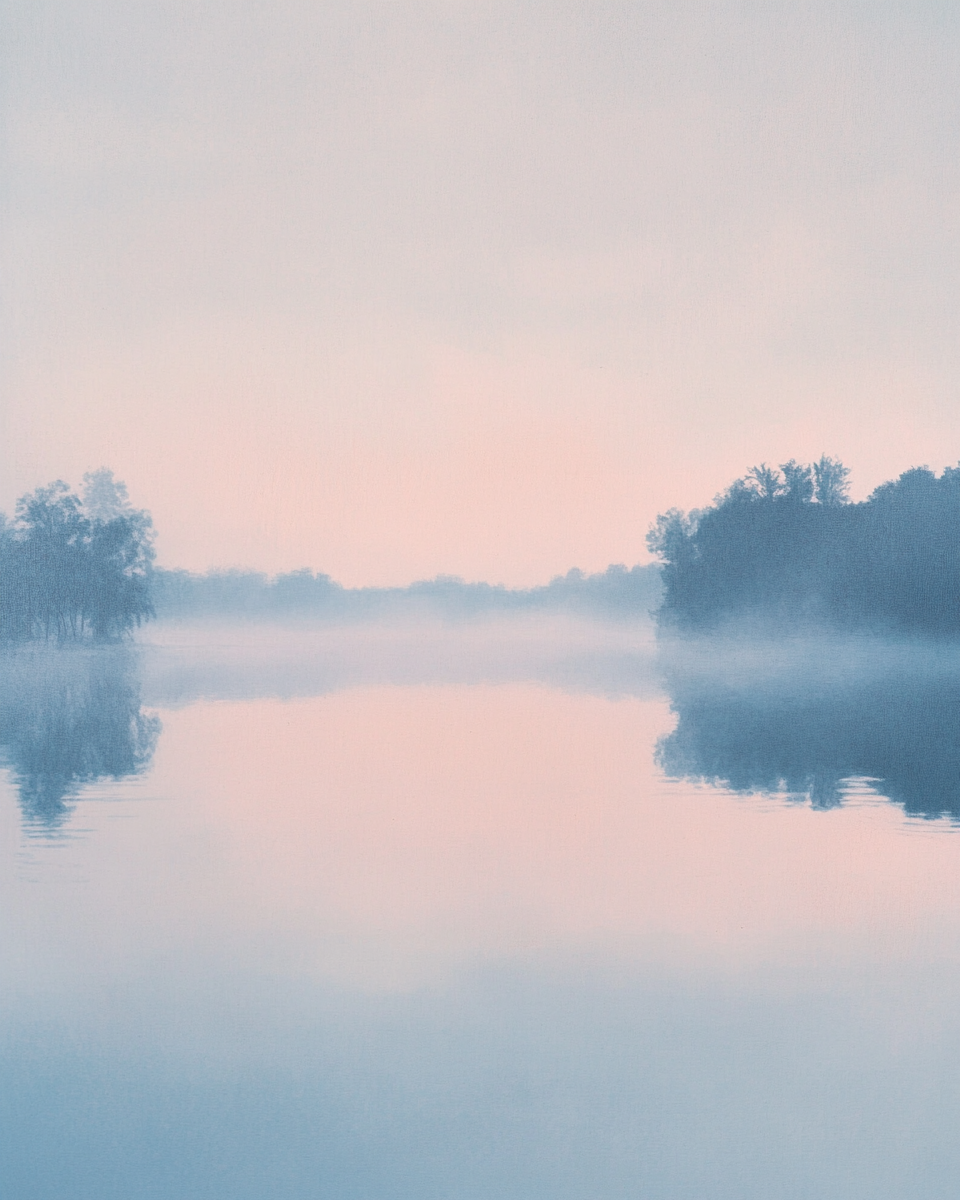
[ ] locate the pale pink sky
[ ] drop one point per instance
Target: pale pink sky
(389, 290)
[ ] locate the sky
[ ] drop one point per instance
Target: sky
(398, 289)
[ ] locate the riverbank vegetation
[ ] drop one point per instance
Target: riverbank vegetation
(75, 567)
(617, 593)
(786, 546)
(81, 567)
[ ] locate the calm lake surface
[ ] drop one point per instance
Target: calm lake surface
(522, 911)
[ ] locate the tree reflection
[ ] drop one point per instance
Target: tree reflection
(795, 733)
(69, 717)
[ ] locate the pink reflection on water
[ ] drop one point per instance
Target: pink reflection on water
(381, 833)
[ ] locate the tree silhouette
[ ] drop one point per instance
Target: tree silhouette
(830, 481)
(71, 568)
(788, 545)
(798, 481)
(765, 481)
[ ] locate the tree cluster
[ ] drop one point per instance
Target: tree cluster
(73, 567)
(786, 544)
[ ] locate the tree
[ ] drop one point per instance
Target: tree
(765, 481)
(69, 567)
(50, 532)
(830, 481)
(104, 497)
(669, 536)
(763, 548)
(798, 481)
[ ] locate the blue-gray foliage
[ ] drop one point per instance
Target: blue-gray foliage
(72, 568)
(786, 544)
(618, 592)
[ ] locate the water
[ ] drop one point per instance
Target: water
(472, 912)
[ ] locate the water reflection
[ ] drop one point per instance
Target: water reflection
(69, 716)
(806, 720)
(435, 941)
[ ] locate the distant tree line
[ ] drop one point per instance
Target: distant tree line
(73, 567)
(618, 592)
(785, 544)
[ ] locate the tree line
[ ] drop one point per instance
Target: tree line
(73, 567)
(617, 593)
(786, 544)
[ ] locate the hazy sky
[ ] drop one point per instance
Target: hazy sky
(396, 289)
